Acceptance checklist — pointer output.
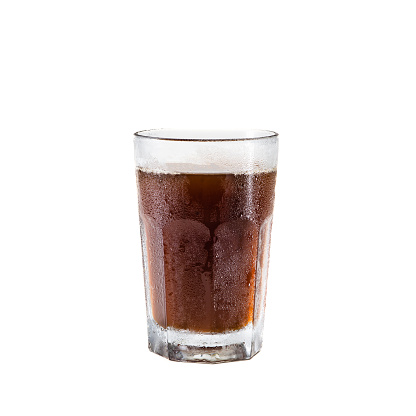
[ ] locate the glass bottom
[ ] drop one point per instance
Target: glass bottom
(188, 346)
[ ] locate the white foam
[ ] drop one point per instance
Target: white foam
(246, 156)
(189, 168)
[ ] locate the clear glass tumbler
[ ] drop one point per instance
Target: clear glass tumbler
(206, 205)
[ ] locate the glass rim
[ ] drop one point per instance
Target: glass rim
(205, 135)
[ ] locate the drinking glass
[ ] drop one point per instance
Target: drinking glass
(205, 205)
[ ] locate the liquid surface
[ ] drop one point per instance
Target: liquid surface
(202, 239)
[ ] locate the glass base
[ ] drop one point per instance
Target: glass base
(189, 346)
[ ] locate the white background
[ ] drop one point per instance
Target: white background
(336, 79)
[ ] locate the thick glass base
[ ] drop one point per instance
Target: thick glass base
(188, 346)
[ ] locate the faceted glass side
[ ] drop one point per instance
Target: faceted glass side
(186, 345)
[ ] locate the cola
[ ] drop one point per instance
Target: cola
(205, 246)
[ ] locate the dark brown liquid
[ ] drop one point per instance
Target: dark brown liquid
(203, 241)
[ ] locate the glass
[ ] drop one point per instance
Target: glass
(205, 205)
